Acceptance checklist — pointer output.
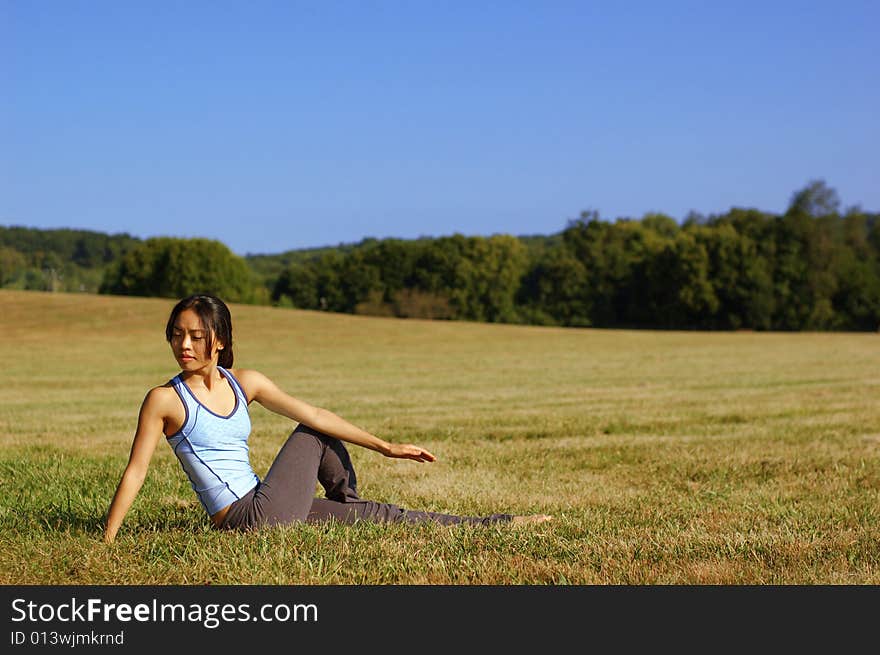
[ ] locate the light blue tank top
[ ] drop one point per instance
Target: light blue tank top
(213, 449)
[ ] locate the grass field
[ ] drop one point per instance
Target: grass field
(666, 457)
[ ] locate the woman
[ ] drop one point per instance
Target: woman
(202, 413)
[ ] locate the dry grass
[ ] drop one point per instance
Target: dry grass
(667, 457)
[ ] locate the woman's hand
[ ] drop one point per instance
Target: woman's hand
(408, 451)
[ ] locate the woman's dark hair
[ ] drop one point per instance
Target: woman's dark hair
(215, 318)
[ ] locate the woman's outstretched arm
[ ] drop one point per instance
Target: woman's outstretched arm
(261, 389)
(149, 430)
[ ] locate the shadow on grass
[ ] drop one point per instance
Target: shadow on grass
(55, 519)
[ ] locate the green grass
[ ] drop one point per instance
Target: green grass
(666, 457)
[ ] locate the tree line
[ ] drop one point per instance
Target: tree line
(814, 267)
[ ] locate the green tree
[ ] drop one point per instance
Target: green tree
(662, 224)
(394, 260)
(795, 303)
(172, 268)
(856, 300)
(616, 257)
(485, 276)
(676, 291)
(554, 290)
(12, 265)
(297, 285)
(816, 199)
(740, 277)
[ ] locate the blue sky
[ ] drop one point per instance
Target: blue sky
(278, 125)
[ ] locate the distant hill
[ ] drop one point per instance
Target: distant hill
(813, 267)
(269, 266)
(58, 260)
(69, 259)
(84, 248)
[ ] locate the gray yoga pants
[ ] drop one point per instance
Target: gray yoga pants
(287, 494)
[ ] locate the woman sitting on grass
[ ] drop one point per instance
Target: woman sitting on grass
(202, 412)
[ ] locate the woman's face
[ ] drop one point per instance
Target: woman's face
(189, 340)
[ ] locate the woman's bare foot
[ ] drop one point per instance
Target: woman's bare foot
(531, 518)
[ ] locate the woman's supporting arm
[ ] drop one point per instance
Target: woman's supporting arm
(149, 430)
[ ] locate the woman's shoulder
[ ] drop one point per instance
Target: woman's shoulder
(250, 380)
(246, 374)
(163, 404)
(162, 396)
